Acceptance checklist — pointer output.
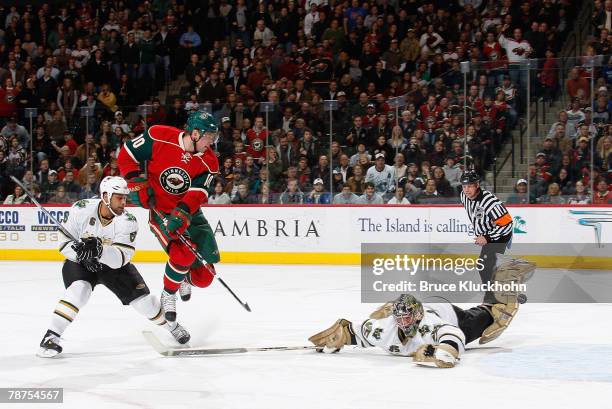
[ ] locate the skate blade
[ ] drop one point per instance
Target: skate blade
(47, 353)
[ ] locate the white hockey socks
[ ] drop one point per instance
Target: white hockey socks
(150, 307)
(75, 298)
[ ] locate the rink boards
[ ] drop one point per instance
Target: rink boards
(334, 234)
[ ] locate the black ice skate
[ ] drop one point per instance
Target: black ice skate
(49, 346)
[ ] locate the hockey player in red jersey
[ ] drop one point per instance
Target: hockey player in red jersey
(181, 167)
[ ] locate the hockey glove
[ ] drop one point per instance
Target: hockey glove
(141, 194)
(92, 265)
(88, 248)
(334, 338)
(440, 355)
(178, 221)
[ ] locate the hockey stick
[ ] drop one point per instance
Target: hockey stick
(201, 260)
(45, 211)
(166, 350)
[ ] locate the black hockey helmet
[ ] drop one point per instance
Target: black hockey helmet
(469, 177)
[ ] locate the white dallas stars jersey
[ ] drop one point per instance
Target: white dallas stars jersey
(439, 324)
(117, 236)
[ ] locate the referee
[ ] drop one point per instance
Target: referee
(491, 222)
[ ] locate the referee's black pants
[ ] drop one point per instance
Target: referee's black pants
(488, 255)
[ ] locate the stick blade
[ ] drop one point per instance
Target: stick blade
(171, 351)
(156, 344)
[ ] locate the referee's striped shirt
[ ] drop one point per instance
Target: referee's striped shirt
(488, 216)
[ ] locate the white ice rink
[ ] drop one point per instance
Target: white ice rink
(553, 355)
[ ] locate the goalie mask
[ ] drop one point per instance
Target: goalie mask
(408, 313)
(113, 185)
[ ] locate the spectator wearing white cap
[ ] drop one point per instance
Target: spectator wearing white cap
(119, 123)
(317, 195)
(381, 174)
(520, 195)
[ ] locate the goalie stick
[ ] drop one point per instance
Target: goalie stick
(167, 350)
(45, 211)
(201, 260)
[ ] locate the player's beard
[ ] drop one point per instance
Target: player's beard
(119, 210)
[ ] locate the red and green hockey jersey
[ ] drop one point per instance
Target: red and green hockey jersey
(174, 174)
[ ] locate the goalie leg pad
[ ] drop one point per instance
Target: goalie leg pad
(502, 316)
(441, 355)
(514, 270)
(334, 338)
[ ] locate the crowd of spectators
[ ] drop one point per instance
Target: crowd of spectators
(109, 56)
(574, 163)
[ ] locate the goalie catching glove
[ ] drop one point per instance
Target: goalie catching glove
(440, 355)
(335, 337)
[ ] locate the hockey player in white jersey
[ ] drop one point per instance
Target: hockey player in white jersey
(102, 255)
(432, 334)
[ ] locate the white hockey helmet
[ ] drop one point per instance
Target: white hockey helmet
(112, 185)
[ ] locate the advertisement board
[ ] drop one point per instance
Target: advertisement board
(319, 234)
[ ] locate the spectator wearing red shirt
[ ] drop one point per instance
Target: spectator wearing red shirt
(547, 78)
(257, 77)
(8, 106)
(575, 83)
(602, 193)
(257, 138)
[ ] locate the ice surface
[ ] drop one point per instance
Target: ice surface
(553, 355)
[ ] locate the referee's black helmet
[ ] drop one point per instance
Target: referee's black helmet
(469, 177)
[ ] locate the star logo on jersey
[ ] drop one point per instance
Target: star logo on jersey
(186, 157)
(175, 180)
